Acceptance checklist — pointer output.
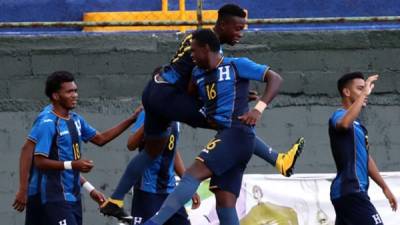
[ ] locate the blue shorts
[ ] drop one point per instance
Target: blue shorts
(164, 103)
(355, 209)
(146, 204)
(34, 210)
(227, 155)
(59, 213)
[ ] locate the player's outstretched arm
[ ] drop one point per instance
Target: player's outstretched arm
(135, 139)
(25, 162)
(274, 81)
(96, 195)
(103, 138)
(373, 172)
(354, 111)
(44, 163)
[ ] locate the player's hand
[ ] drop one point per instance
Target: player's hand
(98, 197)
(369, 84)
(251, 117)
(392, 199)
(83, 165)
(253, 96)
(196, 201)
(20, 200)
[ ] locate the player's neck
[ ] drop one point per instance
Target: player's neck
(346, 103)
(60, 111)
(215, 61)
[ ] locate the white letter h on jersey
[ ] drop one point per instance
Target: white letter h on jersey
(137, 220)
(224, 73)
(377, 219)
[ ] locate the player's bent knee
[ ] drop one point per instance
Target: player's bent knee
(199, 170)
(224, 199)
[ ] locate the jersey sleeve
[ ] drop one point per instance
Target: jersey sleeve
(43, 134)
(33, 133)
(336, 117)
(250, 70)
(139, 122)
(87, 131)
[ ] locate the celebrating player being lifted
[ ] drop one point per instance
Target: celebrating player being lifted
(223, 85)
(165, 99)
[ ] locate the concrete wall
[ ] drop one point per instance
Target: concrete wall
(112, 69)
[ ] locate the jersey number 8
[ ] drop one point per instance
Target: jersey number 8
(171, 143)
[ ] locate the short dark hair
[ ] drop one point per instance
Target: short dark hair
(207, 37)
(345, 79)
(55, 80)
(230, 10)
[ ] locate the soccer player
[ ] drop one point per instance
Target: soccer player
(166, 99)
(350, 149)
(27, 195)
(228, 28)
(159, 179)
(223, 84)
(57, 135)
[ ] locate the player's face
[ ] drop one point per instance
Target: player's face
(355, 89)
(200, 55)
(232, 30)
(67, 96)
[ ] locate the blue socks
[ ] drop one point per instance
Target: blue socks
(182, 194)
(227, 216)
(132, 173)
(264, 151)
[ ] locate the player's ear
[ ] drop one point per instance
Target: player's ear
(222, 24)
(55, 96)
(346, 92)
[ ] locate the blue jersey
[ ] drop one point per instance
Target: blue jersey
(59, 139)
(160, 176)
(224, 90)
(34, 174)
(350, 152)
